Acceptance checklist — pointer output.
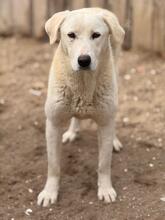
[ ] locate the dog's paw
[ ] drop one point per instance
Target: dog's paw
(47, 197)
(69, 136)
(117, 145)
(107, 194)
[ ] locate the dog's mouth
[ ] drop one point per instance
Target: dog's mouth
(85, 68)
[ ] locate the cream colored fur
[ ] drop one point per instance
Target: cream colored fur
(80, 94)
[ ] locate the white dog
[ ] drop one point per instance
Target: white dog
(82, 84)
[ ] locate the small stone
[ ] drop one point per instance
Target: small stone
(28, 211)
(91, 203)
(151, 165)
(153, 72)
(125, 188)
(135, 98)
(162, 199)
(2, 101)
(127, 77)
(38, 177)
(30, 190)
(36, 123)
(125, 170)
(35, 92)
(50, 210)
(159, 140)
(125, 119)
(154, 158)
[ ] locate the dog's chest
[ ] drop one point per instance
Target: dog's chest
(87, 102)
(82, 106)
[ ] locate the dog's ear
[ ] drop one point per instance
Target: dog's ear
(116, 31)
(53, 24)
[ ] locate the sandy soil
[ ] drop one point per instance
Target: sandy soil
(138, 171)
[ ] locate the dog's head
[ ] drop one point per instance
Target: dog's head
(85, 35)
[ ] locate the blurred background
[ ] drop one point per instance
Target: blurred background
(143, 20)
(138, 171)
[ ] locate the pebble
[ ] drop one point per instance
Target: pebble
(28, 211)
(125, 119)
(35, 92)
(30, 190)
(36, 123)
(125, 188)
(135, 98)
(127, 77)
(162, 199)
(151, 165)
(90, 203)
(159, 140)
(2, 101)
(153, 72)
(125, 170)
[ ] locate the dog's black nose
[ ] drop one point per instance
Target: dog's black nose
(84, 61)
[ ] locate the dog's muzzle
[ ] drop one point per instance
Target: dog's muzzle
(84, 61)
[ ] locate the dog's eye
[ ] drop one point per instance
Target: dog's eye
(96, 35)
(72, 35)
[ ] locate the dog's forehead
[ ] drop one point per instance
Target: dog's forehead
(84, 21)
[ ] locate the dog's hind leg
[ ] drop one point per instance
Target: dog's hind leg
(73, 131)
(117, 145)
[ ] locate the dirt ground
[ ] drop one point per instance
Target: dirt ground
(138, 171)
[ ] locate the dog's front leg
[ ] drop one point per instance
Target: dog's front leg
(50, 192)
(105, 137)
